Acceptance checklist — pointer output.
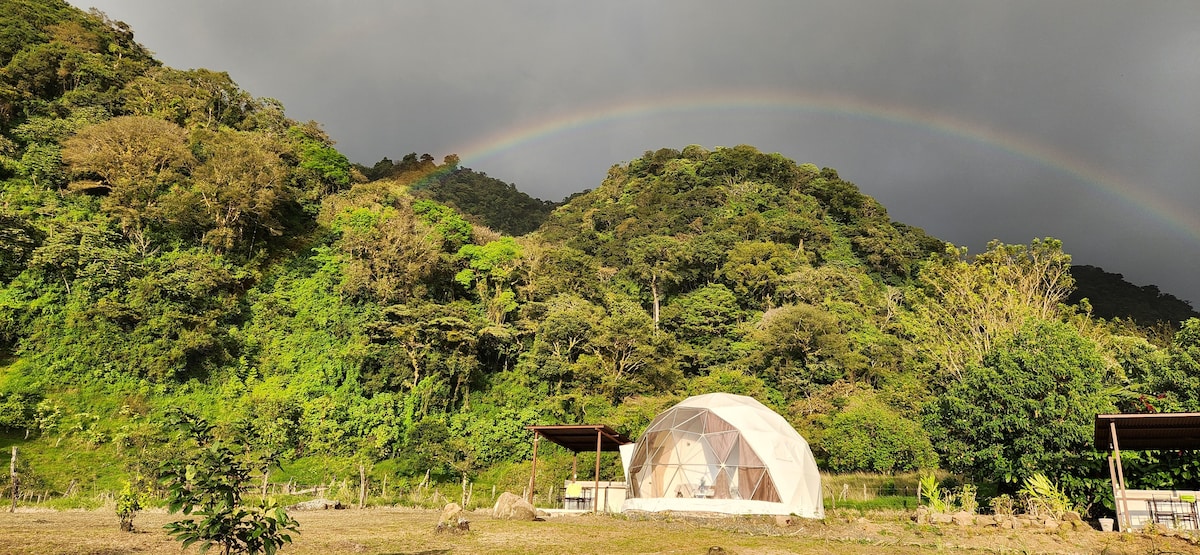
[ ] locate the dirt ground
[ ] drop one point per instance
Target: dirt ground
(399, 531)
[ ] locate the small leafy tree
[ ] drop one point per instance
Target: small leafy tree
(208, 477)
(129, 503)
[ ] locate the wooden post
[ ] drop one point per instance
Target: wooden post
(1112, 472)
(533, 470)
(596, 491)
(12, 471)
(1123, 507)
(362, 485)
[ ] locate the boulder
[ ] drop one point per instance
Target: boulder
(963, 518)
(450, 515)
(510, 507)
(940, 518)
(317, 505)
(783, 520)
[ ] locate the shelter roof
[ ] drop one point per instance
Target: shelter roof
(1157, 431)
(580, 438)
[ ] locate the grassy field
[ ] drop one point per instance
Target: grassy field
(411, 532)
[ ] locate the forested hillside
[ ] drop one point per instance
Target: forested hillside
(484, 200)
(1111, 296)
(169, 240)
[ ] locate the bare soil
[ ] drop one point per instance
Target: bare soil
(399, 531)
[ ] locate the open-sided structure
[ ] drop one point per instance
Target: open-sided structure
(1159, 432)
(577, 438)
(723, 453)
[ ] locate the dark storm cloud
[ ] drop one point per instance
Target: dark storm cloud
(1108, 87)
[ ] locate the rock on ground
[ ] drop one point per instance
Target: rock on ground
(510, 507)
(317, 505)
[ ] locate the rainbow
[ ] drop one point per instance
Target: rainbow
(1173, 215)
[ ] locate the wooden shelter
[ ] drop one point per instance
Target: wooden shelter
(577, 438)
(1157, 432)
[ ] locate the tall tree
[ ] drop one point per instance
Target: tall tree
(654, 260)
(136, 159)
(241, 182)
(970, 305)
(1027, 407)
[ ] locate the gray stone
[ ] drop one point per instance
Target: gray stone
(510, 507)
(450, 514)
(317, 505)
(453, 520)
(963, 518)
(940, 518)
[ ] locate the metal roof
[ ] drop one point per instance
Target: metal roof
(1158, 431)
(583, 437)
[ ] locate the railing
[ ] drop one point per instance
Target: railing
(1138, 508)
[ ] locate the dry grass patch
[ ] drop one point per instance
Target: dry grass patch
(410, 531)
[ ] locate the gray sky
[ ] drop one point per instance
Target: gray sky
(974, 120)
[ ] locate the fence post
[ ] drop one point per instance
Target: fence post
(12, 471)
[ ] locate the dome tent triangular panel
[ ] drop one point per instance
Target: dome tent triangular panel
(723, 453)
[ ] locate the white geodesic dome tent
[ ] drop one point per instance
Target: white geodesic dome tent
(723, 453)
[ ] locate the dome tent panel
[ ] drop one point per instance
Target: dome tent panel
(722, 444)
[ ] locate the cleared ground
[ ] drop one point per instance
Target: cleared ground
(410, 531)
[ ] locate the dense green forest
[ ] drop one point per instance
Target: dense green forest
(1111, 296)
(483, 200)
(169, 240)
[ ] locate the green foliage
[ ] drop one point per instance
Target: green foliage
(870, 436)
(966, 498)
(1028, 408)
(1043, 497)
(1003, 505)
(18, 411)
(1176, 382)
(323, 166)
(491, 268)
(208, 478)
(130, 501)
(932, 495)
(485, 200)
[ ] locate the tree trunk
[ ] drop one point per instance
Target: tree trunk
(654, 293)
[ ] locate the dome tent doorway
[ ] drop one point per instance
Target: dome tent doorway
(723, 453)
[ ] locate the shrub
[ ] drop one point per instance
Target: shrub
(1043, 497)
(129, 502)
(209, 478)
(932, 495)
(870, 436)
